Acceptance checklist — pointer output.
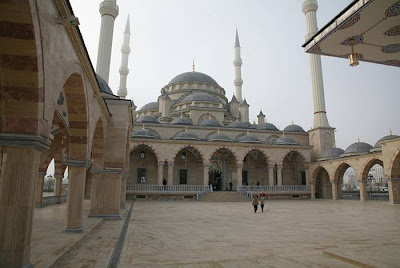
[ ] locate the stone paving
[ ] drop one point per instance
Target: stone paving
(290, 233)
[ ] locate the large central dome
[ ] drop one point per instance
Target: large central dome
(193, 77)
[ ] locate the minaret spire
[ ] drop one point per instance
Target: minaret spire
(238, 69)
(320, 119)
(123, 70)
(109, 11)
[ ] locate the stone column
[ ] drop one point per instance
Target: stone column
(334, 189)
(394, 190)
(239, 175)
(124, 178)
(279, 175)
(58, 188)
(312, 187)
(363, 190)
(160, 174)
(19, 174)
(39, 190)
(106, 193)
(271, 175)
(75, 194)
(205, 174)
(170, 173)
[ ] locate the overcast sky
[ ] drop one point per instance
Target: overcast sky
(167, 34)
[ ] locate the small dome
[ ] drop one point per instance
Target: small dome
(210, 122)
(332, 153)
(144, 133)
(150, 106)
(219, 137)
(148, 119)
(238, 124)
(186, 135)
(386, 138)
(358, 148)
(104, 87)
(249, 139)
(293, 128)
(267, 126)
(286, 141)
(193, 77)
(200, 97)
(182, 121)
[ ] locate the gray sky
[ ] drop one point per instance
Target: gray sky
(167, 34)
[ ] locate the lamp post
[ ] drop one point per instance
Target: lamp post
(370, 179)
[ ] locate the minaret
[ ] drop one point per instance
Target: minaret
(109, 11)
(238, 70)
(123, 70)
(320, 119)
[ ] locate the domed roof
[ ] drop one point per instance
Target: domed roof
(219, 137)
(182, 121)
(193, 77)
(104, 87)
(293, 128)
(386, 138)
(358, 148)
(267, 126)
(148, 119)
(144, 133)
(186, 135)
(238, 124)
(249, 139)
(150, 106)
(286, 141)
(210, 122)
(199, 96)
(332, 153)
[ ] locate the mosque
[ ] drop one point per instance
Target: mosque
(192, 136)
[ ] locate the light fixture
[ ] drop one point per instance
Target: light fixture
(183, 156)
(68, 21)
(141, 155)
(353, 56)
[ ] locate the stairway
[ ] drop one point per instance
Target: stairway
(225, 197)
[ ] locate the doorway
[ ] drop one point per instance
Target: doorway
(215, 179)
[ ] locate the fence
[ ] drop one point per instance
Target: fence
(51, 200)
(145, 188)
(248, 191)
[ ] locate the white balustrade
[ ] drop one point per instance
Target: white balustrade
(275, 188)
(146, 188)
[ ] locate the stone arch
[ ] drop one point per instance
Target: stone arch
(209, 134)
(290, 151)
(394, 165)
(154, 132)
(294, 167)
(98, 145)
(248, 150)
(188, 166)
(239, 135)
(143, 160)
(339, 172)
(150, 147)
(321, 180)
(175, 152)
(255, 167)
(205, 116)
(226, 148)
(368, 165)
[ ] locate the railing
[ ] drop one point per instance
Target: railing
(204, 193)
(51, 200)
(350, 195)
(378, 196)
(275, 188)
(140, 188)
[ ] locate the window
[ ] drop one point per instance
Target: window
(141, 175)
(183, 176)
(244, 177)
(303, 178)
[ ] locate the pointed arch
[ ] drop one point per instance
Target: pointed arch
(225, 148)
(368, 165)
(394, 165)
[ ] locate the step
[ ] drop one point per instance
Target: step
(225, 197)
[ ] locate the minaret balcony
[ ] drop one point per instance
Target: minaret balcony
(237, 62)
(109, 8)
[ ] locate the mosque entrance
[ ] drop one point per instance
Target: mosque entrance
(215, 179)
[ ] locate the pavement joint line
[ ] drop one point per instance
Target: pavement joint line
(116, 255)
(345, 259)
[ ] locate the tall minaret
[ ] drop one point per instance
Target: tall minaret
(238, 71)
(320, 119)
(109, 11)
(123, 70)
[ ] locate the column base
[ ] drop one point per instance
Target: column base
(73, 230)
(105, 216)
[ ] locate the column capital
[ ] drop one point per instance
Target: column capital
(206, 165)
(170, 164)
(239, 166)
(334, 181)
(25, 141)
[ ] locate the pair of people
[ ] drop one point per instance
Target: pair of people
(258, 200)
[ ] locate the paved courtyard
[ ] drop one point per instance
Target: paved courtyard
(289, 233)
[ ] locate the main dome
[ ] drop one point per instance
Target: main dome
(193, 77)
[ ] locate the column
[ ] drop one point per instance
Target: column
(279, 175)
(271, 175)
(363, 190)
(312, 186)
(124, 178)
(39, 190)
(394, 190)
(58, 188)
(170, 173)
(160, 174)
(106, 193)
(239, 175)
(205, 174)
(19, 174)
(334, 189)
(75, 194)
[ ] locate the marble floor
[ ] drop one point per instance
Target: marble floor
(290, 233)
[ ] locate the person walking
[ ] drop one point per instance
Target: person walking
(262, 198)
(255, 203)
(164, 182)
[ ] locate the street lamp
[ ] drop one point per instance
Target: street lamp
(370, 179)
